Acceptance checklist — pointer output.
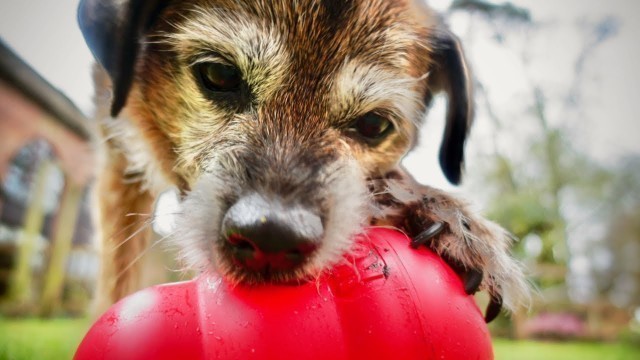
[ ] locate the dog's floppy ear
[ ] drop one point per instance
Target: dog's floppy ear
(450, 74)
(113, 30)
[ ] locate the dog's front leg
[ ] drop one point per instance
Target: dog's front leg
(124, 219)
(475, 247)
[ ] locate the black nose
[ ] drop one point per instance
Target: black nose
(268, 235)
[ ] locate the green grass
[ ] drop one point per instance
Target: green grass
(57, 340)
(40, 339)
(538, 350)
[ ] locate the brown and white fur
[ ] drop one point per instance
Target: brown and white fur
(310, 69)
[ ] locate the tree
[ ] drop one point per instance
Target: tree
(570, 210)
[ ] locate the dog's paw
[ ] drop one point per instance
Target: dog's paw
(476, 248)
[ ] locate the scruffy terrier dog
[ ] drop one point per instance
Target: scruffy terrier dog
(282, 124)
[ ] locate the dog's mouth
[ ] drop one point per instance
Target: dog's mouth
(244, 264)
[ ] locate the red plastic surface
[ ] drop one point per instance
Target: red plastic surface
(390, 302)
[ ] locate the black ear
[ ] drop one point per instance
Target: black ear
(450, 74)
(113, 30)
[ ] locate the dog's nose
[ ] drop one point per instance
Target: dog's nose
(268, 235)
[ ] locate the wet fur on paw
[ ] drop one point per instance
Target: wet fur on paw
(468, 241)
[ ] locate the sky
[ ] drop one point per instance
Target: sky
(45, 34)
(605, 125)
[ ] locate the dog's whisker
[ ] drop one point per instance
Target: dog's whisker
(144, 227)
(139, 214)
(128, 227)
(151, 218)
(158, 215)
(142, 254)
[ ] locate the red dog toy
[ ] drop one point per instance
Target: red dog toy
(391, 302)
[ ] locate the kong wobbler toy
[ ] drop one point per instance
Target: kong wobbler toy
(387, 301)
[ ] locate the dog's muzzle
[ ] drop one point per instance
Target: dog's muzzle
(265, 235)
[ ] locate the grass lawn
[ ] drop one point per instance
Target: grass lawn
(57, 340)
(40, 339)
(537, 350)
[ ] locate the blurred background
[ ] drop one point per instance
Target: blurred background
(554, 157)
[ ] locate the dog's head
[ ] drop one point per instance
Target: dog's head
(276, 111)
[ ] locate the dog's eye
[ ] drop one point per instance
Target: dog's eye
(219, 77)
(372, 126)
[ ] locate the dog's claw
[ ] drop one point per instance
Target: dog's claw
(472, 280)
(493, 309)
(428, 234)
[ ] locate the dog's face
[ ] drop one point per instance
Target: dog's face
(271, 116)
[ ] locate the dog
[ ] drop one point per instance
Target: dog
(282, 124)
